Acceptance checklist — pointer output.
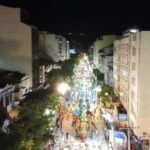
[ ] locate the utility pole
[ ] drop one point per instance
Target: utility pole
(129, 147)
(129, 140)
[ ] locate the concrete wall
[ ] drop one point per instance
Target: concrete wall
(11, 14)
(15, 47)
(137, 91)
(101, 43)
(144, 83)
(15, 42)
(55, 46)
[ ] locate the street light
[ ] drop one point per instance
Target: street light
(106, 94)
(63, 88)
(47, 112)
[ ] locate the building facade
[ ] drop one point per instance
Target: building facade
(18, 44)
(54, 46)
(131, 80)
(106, 64)
(99, 44)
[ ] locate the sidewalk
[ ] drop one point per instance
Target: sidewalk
(100, 135)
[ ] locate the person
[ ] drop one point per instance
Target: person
(44, 148)
(57, 125)
(67, 135)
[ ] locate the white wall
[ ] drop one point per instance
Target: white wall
(15, 42)
(144, 83)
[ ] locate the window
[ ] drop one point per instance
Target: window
(133, 80)
(133, 51)
(134, 37)
(133, 66)
(132, 95)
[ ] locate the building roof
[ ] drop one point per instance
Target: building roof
(10, 77)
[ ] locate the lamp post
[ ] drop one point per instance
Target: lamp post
(63, 88)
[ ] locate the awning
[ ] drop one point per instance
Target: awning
(118, 134)
(122, 117)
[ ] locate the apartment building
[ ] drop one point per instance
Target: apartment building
(106, 62)
(54, 46)
(13, 87)
(99, 44)
(19, 50)
(131, 80)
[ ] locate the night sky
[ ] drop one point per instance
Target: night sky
(91, 17)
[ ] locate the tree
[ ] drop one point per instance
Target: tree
(68, 66)
(107, 93)
(99, 75)
(33, 129)
(63, 74)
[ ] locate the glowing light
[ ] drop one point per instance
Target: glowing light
(85, 57)
(63, 88)
(133, 30)
(46, 112)
(98, 89)
(106, 94)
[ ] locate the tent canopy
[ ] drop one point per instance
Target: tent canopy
(119, 134)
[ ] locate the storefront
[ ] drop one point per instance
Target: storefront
(118, 140)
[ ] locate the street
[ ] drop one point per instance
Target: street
(80, 126)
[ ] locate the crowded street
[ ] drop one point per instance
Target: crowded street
(79, 125)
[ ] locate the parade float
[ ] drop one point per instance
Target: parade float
(83, 127)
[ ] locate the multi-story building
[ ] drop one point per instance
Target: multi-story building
(116, 48)
(99, 44)
(55, 46)
(106, 63)
(13, 87)
(131, 80)
(19, 50)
